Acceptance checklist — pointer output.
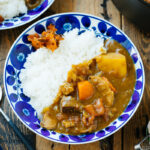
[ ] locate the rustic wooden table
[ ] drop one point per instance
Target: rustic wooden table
(125, 138)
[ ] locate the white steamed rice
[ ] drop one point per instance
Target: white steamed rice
(11, 8)
(45, 71)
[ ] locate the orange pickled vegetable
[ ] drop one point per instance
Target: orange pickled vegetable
(85, 90)
(47, 39)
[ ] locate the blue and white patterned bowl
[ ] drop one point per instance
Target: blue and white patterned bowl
(66, 22)
(27, 17)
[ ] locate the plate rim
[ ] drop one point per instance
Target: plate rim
(30, 20)
(95, 17)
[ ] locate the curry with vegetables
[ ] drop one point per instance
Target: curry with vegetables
(95, 93)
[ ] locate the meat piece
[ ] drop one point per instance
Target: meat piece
(61, 116)
(70, 105)
(87, 118)
(79, 72)
(109, 84)
(89, 129)
(83, 69)
(90, 109)
(76, 119)
(109, 113)
(68, 123)
(96, 109)
(67, 88)
(49, 122)
(71, 121)
(58, 97)
(109, 98)
(105, 88)
(99, 107)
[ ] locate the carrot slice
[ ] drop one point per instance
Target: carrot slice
(85, 90)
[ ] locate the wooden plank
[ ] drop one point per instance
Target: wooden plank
(58, 146)
(87, 6)
(43, 144)
(91, 146)
(134, 131)
(94, 7)
(113, 14)
(8, 139)
(117, 140)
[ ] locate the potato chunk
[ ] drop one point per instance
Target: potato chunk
(49, 122)
(113, 63)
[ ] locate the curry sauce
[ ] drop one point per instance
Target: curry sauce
(92, 97)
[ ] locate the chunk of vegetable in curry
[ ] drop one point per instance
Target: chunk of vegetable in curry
(113, 63)
(95, 93)
(85, 90)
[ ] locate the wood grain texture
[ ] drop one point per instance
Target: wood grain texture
(91, 146)
(117, 140)
(43, 144)
(113, 14)
(124, 139)
(8, 139)
(135, 130)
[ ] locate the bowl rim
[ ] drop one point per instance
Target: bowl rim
(26, 22)
(95, 17)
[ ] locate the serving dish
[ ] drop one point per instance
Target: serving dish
(66, 22)
(137, 11)
(27, 17)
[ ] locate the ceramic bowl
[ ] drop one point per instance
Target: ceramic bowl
(66, 22)
(27, 17)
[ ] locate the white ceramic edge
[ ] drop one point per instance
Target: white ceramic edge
(110, 123)
(19, 25)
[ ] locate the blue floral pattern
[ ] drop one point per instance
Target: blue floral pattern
(25, 111)
(66, 23)
(27, 17)
(18, 55)
(20, 103)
